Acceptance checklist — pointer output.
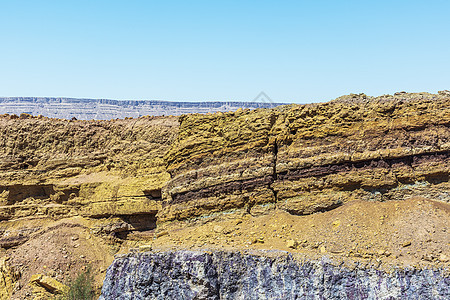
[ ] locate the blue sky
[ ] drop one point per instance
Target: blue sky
(295, 51)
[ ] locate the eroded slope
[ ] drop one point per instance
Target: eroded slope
(72, 191)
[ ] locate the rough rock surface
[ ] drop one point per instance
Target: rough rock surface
(8, 277)
(309, 158)
(358, 178)
(72, 191)
(236, 275)
(67, 168)
(220, 162)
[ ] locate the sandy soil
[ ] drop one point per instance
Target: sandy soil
(411, 232)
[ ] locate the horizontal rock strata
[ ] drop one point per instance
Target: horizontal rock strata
(298, 158)
(301, 178)
(334, 152)
(54, 168)
(309, 158)
(220, 162)
(105, 109)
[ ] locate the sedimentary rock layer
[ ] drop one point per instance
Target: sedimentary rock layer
(309, 158)
(220, 162)
(99, 169)
(237, 180)
(363, 149)
(298, 158)
(264, 275)
(72, 191)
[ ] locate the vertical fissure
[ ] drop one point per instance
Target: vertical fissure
(273, 121)
(275, 155)
(274, 172)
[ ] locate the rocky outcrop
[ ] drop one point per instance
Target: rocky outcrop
(63, 168)
(220, 162)
(46, 287)
(263, 275)
(309, 158)
(8, 277)
(357, 178)
(298, 158)
(367, 149)
(71, 192)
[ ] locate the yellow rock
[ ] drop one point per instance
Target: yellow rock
(145, 248)
(406, 244)
(48, 283)
(7, 279)
(218, 228)
(161, 233)
(336, 223)
(291, 244)
(443, 258)
(121, 207)
(258, 240)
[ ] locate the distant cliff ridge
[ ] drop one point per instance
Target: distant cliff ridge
(105, 109)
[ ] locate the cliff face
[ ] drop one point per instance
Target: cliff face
(220, 162)
(72, 191)
(358, 179)
(331, 153)
(304, 159)
(95, 169)
(268, 275)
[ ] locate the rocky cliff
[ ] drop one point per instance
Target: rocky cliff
(263, 275)
(310, 158)
(358, 179)
(72, 191)
(118, 166)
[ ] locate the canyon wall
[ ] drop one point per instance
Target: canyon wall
(72, 191)
(96, 169)
(355, 179)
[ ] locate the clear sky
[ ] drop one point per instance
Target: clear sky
(295, 51)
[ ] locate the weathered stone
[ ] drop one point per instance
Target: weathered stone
(122, 178)
(8, 277)
(236, 275)
(309, 158)
(406, 244)
(291, 244)
(145, 248)
(49, 283)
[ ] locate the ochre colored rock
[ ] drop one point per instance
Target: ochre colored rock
(309, 158)
(170, 181)
(8, 277)
(54, 168)
(220, 162)
(50, 284)
(292, 244)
